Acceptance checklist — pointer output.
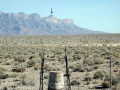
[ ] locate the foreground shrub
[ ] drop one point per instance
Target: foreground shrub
(3, 75)
(115, 80)
(30, 63)
(98, 61)
(74, 82)
(106, 84)
(18, 69)
(99, 75)
(77, 67)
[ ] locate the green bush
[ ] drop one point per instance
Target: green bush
(3, 75)
(106, 84)
(99, 74)
(115, 80)
(30, 63)
(77, 67)
(98, 61)
(19, 59)
(74, 82)
(2, 69)
(89, 62)
(12, 75)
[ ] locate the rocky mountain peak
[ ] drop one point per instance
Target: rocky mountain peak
(33, 24)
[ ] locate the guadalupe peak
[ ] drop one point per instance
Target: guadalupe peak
(33, 24)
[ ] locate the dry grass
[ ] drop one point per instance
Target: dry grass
(86, 56)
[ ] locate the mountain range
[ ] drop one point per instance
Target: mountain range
(33, 24)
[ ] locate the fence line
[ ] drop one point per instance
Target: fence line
(33, 88)
(14, 85)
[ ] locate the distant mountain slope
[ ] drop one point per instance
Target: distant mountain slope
(33, 24)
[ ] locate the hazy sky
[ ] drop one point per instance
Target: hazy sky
(102, 15)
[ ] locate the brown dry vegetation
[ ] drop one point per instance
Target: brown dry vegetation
(87, 55)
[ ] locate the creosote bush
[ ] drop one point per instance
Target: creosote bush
(115, 80)
(100, 74)
(30, 63)
(88, 61)
(75, 82)
(98, 61)
(3, 75)
(106, 84)
(77, 67)
(19, 59)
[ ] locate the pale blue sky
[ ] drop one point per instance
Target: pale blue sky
(102, 15)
